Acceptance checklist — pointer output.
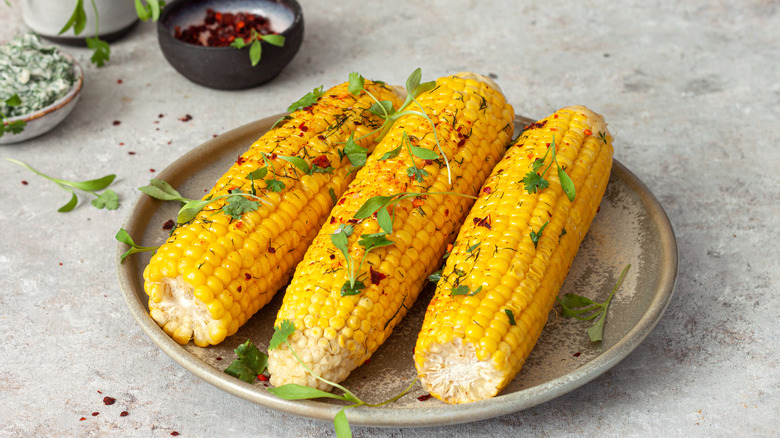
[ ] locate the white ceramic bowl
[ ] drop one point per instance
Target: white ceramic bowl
(46, 118)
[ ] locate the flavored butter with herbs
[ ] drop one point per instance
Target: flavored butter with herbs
(38, 75)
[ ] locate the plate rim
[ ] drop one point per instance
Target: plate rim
(424, 416)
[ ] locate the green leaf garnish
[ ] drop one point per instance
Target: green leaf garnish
(249, 364)
(108, 200)
(435, 277)
(298, 162)
(125, 238)
(535, 236)
(533, 182)
(274, 39)
(372, 205)
(274, 185)
(373, 241)
(101, 49)
(149, 10)
(566, 184)
(341, 425)
(237, 205)
(163, 191)
(14, 100)
(511, 316)
(392, 154)
(585, 309)
(356, 154)
(352, 288)
(77, 20)
(294, 391)
(281, 333)
(255, 52)
(424, 154)
(464, 290)
(308, 99)
(356, 83)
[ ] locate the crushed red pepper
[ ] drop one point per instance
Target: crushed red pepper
(424, 397)
(109, 401)
(169, 224)
(219, 29)
(124, 414)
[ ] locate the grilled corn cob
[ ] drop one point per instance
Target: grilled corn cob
(511, 258)
(216, 271)
(335, 331)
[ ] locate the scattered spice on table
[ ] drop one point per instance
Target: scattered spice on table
(95, 414)
(109, 401)
(117, 122)
(24, 183)
(169, 226)
(82, 418)
(219, 29)
(186, 118)
(124, 414)
(424, 397)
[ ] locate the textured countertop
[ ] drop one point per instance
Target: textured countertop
(691, 91)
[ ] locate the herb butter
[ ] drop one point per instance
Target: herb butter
(38, 75)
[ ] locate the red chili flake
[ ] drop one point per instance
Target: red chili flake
(109, 401)
(124, 414)
(239, 224)
(248, 276)
(169, 224)
(100, 392)
(333, 219)
(341, 201)
(303, 127)
(538, 124)
(219, 29)
(186, 118)
(262, 377)
(321, 137)
(462, 142)
(82, 418)
(95, 414)
(239, 288)
(174, 433)
(272, 156)
(121, 143)
(487, 190)
(598, 209)
(240, 160)
(271, 250)
(483, 222)
(130, 153)
(322, 161)
(376, 276)
(118, 81)
(577, 354)
(161, 115)
(418, 202)
(428, 162)
(449, 247)
(117, 122)
(424, 397)
(151, 170)
(332, 256)
(24, 183)
(368, 361)
(60, 263)
(587, 132)
(353, 221)
(213, 136)
(219, 358)
(555, 116)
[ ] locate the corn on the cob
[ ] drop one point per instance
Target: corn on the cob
(511, 258)
(335, 333)
(215, 272)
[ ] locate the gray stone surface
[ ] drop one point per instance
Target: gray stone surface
(691, 91)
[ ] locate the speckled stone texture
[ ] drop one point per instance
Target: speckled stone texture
(691, 91)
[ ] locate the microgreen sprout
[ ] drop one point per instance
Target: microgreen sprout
(585, 309)
(13, 127)
(145, 9)
(534, 180)
(124, 237)
(385, 110)
(255, 49)
(237, 203)
(292, 391)
(108, 199)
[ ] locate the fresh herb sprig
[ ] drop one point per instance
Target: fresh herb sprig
(13, 127)
(237, 203)
(385, 110)
(292, 391)
(108, 199)
(255, 48)
(123, 236)
(250, 363)
(534, 180)
(585, 309)
(146, 9)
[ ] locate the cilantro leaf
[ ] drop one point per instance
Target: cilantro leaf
(191, 209)
(340, 239)
(237, 205)
(384, 220)
(249, 364)
(308, 99)
(108, 200)
(383, 108)
(281, 333)
(424, 154)
(258, 173)
(373, 241)
(298, 162)
(356, 83)
(356, 154)
(435, 277)
(373, 204)
(418, 174)
(274, 185)
(77, 20)
(533, 182)
(102, 51)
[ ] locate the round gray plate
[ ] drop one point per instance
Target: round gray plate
(631, 227)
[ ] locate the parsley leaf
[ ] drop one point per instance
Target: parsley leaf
(373, 241)
(102, 51)
(307, 100)
(352, 289)
(533, 182)
(237, 205)
(249, 364)
(108, 200)
(274, 185)
(356, 83)
(281, 333)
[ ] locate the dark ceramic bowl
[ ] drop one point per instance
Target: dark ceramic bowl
(228, 68)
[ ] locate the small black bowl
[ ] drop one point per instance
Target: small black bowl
(228, 68)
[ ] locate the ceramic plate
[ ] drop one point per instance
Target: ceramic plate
(631, 227)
